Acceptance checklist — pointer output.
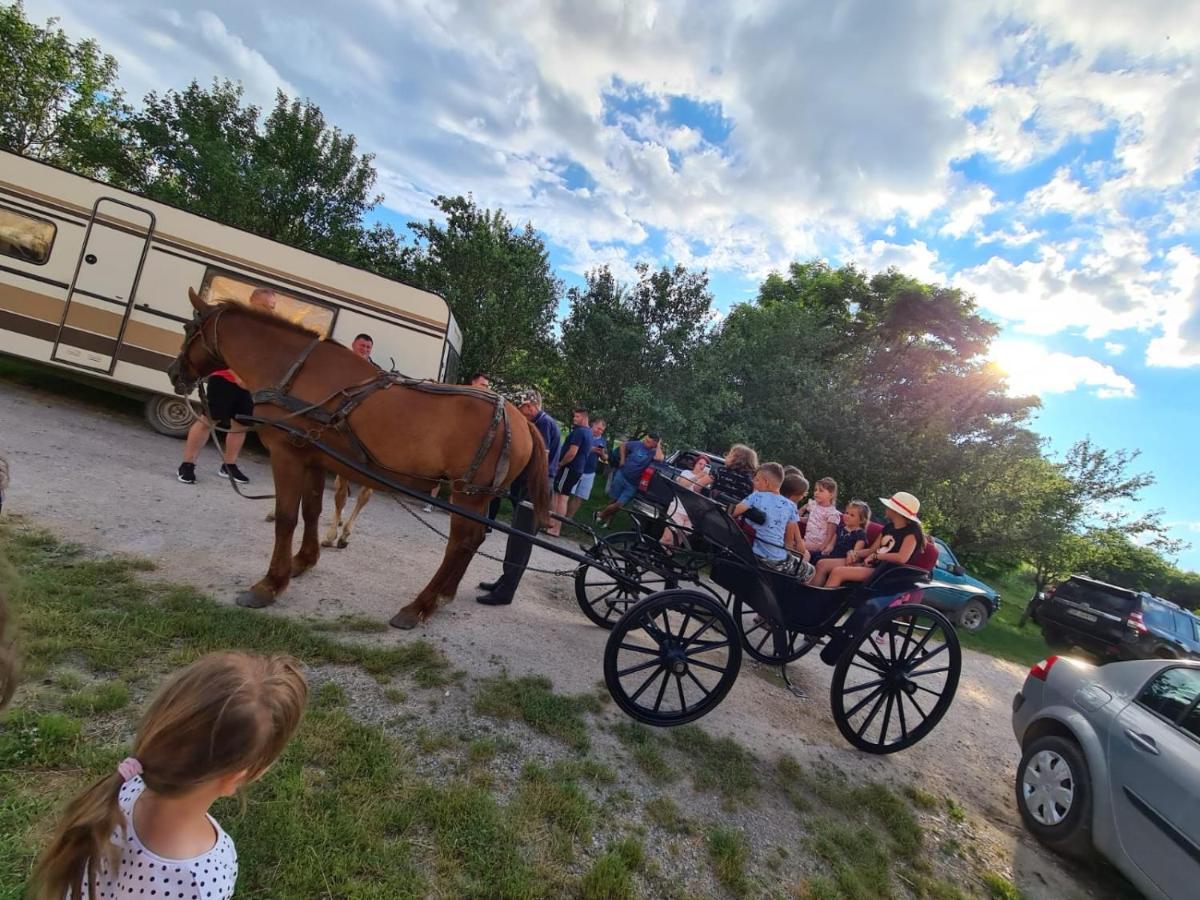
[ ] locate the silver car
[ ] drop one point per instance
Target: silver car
(1110, 762)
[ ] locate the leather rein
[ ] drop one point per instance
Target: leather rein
(351, 397)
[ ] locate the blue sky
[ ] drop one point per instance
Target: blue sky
(1040, 154)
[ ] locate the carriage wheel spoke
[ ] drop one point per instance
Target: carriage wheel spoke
(638, 668)
(912, 622)
(903, 723)
(862, 687)
(699, 684)
(679, 687)
(766, 637)
(870, 663)
(919, 646)
(929, 672)
(646, 683)
(927, 657)
(921, 687)
(662, 690)
(683, 628)
(871, 696)
(707, 625)
(704, 665)
(887, 717)
(870, 718)
(595, 601)
(707, 647)
(638, 648)
(913, 701)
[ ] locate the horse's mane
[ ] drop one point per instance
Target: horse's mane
(267, 317)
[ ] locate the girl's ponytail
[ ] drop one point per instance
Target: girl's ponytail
(83, 837)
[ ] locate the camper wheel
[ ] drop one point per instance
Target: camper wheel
(171, 416)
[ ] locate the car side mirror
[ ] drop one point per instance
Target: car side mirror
(1040, 595)
(958, 570)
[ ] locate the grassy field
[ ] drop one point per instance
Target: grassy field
(404, 809)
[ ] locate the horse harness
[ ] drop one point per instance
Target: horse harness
(351, 397)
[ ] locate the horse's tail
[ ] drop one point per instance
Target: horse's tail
(537, 477)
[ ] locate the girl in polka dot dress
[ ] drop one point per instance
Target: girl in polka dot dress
(144, 831)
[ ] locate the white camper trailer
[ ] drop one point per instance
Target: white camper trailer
(95, 280)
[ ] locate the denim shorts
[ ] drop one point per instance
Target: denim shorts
(621, 489)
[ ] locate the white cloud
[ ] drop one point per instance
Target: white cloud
(1033, 369)
(966, 208)
(915, 259)
(1113, 348)
(1179, 344)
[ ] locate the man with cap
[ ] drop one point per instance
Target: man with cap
(516, 552)
(634, 456)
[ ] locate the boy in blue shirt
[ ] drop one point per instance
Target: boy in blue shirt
(634, 457)
(780, 532)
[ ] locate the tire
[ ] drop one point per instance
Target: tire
(758, 638)
(904, 656)
(172, 416)
(672, 634)
(1065, 827)
(973, 617)
(602, 597)
(1054, 638)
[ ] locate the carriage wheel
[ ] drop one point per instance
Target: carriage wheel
(672, 657)
(896, 679)
(758, 637)
(602, 597)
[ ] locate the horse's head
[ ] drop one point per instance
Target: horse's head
(200, 354)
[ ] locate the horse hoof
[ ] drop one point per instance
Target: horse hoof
(298, 570)
(343, 544)
(405, 619)
(326, 543)
(270, 517)
(252, 600)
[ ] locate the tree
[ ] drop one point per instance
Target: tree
(628, 350)
(58, 99)
(498, 282)
(292, 178)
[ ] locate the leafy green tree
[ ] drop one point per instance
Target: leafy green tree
(498, 282)
(58, 99)
(628, 350)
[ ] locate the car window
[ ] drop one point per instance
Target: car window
(1191, 721)
(1183, 624)
(945, 559)
(1095, 596)
(1171, 692)
(1157, 616)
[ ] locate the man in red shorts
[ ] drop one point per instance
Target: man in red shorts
(227, 397)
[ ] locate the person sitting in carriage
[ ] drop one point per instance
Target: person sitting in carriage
(779, 530)
(900, 541)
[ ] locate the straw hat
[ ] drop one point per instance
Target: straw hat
(904, 503)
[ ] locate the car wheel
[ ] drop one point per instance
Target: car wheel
(1054, 639)
(172, 416)
(1054, 795)
(973, 617)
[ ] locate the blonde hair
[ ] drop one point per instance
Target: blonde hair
(223, 714)
(741, 457)
(829, 484)
(864, 511)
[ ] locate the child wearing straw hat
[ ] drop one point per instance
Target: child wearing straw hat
(900, 540)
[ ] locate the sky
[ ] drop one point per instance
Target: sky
(1042, 155)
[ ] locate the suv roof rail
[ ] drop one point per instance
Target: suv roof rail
(1105, 584)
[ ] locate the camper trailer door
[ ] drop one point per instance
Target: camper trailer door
(103, 288)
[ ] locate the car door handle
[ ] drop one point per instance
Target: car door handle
(1142, 741)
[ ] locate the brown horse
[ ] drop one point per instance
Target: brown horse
(417, 434)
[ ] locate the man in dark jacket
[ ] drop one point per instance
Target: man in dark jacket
(516, 552)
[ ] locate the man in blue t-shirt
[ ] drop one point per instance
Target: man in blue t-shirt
(571, 463)
(595, 459)
(635, 456)
(517, 550)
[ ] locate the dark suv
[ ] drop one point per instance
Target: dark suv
(1114, 622)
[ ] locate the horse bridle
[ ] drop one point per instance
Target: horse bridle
(195, 329)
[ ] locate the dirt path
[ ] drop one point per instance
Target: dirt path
(105, 479)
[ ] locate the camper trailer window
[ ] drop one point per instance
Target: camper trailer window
(25, 237)
(223, 286)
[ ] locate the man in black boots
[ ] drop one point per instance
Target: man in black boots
(516, 552)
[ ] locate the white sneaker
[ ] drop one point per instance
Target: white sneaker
(427, 508)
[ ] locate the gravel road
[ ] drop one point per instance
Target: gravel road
(102, 478)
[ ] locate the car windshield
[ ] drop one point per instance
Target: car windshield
(1095, 596)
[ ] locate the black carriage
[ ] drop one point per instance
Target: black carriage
(674, 653)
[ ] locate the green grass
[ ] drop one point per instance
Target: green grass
(729, 852)
(719, 764)
(100, 698)
(666, 814)
(646, 749)
(532, 699)
(1001, 637)
(1000, 888)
